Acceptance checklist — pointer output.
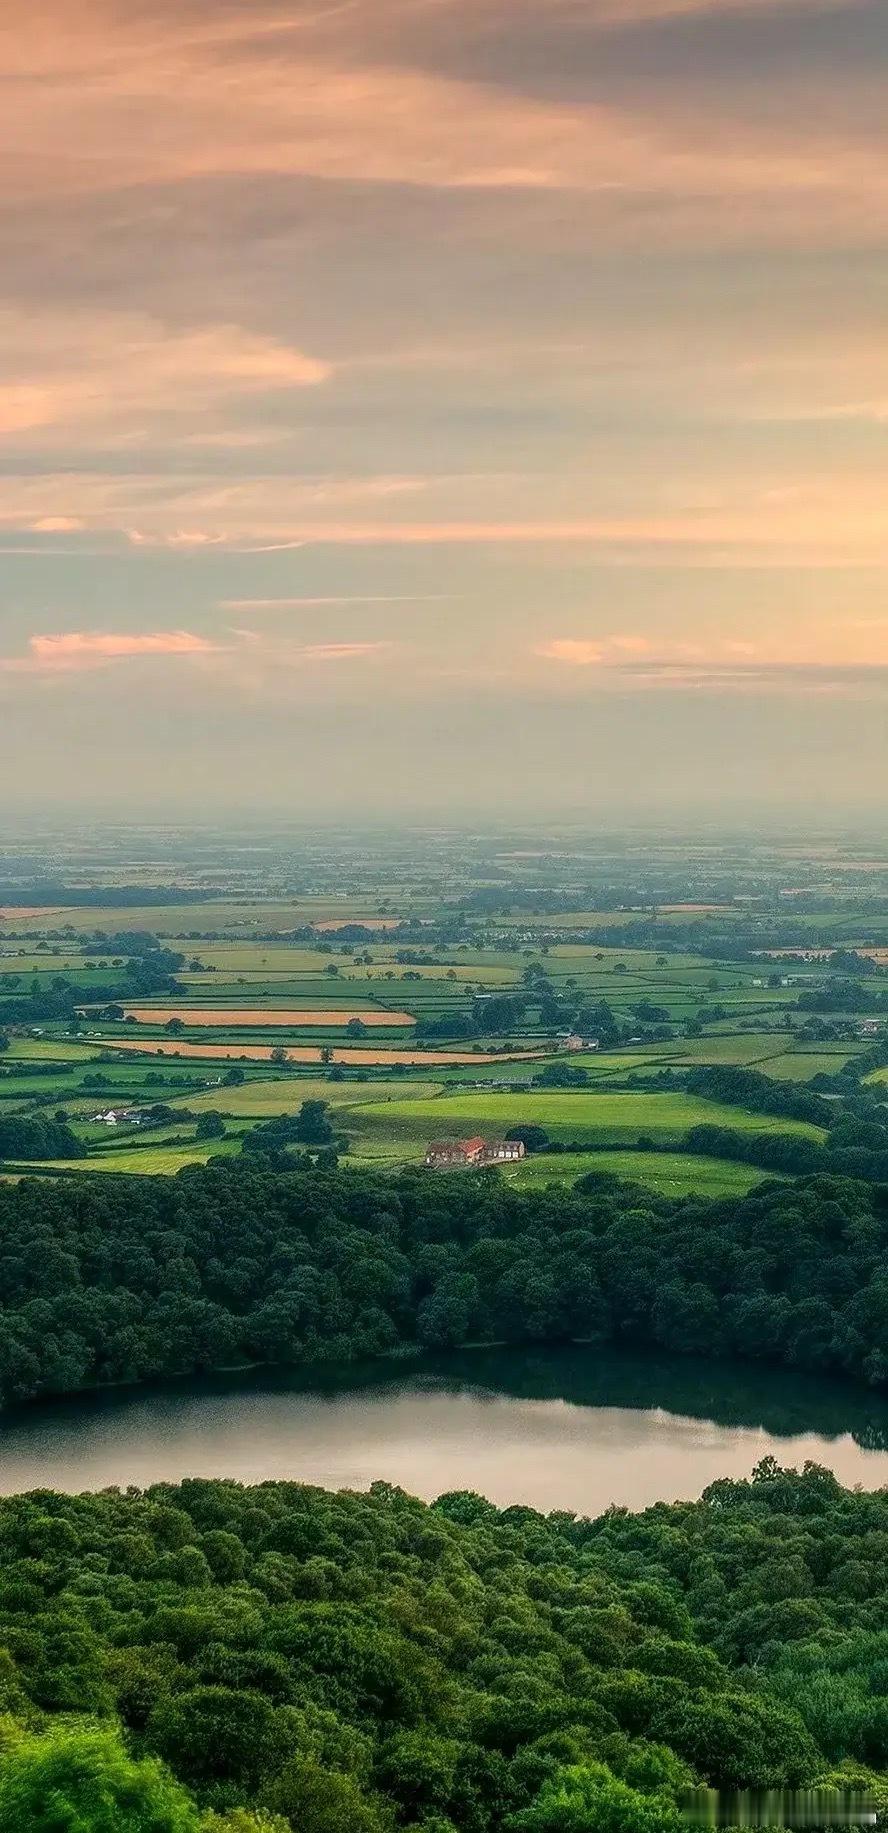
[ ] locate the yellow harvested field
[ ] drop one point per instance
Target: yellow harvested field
(311, 1053)
(9, 912)
(233, 1018)
(365, 922)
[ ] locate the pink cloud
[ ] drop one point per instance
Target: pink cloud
(305, 601)
(123, 370)
(77, 649)
(56, 525)
(574, 650)
(340, 652)
(156, 95)
(179, 537)
(630, 645)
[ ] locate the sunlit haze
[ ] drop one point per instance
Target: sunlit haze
(444, 405)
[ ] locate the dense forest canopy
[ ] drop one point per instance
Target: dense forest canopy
(134, 1279)
(343, 1663)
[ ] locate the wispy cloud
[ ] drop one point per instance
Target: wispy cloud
(56, 525)
(305, 602)
(573, 650)
(76, 650)
(113, 373)
(80, 651)
(210, 96)
(613, 663)
(340, 652)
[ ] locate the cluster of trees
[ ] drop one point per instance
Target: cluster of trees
(148, 970)
(562, 1075)
(52, 891)
(44, 1004)
(854, 1148)
(26, 1138)
(285, 1658)
(733, 1086)
(842, 996)
(132, 1279)
(311, 1127)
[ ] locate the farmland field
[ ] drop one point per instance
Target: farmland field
(496, 989)
(671, 1174)
(400, 1128)
(236, 1018)
(153, 1161)
(260, 1100)
(307, 1053)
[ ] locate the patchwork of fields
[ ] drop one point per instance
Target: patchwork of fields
(407, 1037)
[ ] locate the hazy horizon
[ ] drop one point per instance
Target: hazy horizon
(474, 408)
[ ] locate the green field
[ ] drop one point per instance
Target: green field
(398, 1130)
(148, 1160)
(263, 1099)
(671, 1174)
(801, 1065)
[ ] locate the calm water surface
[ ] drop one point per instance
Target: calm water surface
(575, 1429)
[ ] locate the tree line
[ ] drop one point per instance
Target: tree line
(133, 1279)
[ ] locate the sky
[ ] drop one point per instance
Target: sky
(447, 405)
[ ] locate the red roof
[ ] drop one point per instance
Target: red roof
(468, 1146)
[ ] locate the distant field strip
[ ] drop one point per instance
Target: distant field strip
(262, 1099)
(234, 1018)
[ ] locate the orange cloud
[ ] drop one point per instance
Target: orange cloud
(836, 517)
(56, 525)
(632, 12)
(160, 96)
(574, 650)
(118, 372)
(339, 652)
(77, 649)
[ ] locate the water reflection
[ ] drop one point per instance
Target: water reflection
(577, 1429)
(728, 1393)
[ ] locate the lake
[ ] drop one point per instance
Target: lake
(577, 1429)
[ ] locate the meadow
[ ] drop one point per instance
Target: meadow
(670, 1174)
(271, 1016)
(398, 1129)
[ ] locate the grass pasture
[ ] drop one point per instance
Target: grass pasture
(262, 1100)
(670, 1174)
(398, 1130)
(147, 1160)
(248, 1018)
(801, 1065)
